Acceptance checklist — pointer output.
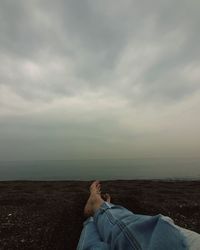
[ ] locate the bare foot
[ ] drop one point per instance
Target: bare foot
(95, 200)
(106, 197)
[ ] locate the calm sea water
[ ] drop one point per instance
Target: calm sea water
(101, 169)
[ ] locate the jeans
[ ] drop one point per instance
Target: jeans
(115, 227)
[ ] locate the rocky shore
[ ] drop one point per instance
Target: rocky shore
(48, 214)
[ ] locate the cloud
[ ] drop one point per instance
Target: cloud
(106, 73)
(74, 45)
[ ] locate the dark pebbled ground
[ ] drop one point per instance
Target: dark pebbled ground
(48, 215)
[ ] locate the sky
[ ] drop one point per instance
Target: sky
(85, 79)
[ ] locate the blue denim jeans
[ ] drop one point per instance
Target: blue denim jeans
(116, 228)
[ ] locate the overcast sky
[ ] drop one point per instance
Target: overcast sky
(99, 79)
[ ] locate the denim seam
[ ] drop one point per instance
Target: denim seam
(124, 229)
(129, 235)
(110, 217)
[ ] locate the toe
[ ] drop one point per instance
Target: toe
(95, 186)
(107, 197)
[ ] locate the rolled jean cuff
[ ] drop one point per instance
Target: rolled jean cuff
(88, 220)
(106, 205)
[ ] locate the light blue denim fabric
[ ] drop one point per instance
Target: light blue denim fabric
(90, 238)
(116, 228)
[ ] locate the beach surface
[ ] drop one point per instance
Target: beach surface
(49, 214)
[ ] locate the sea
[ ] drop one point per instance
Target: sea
(103, 169)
